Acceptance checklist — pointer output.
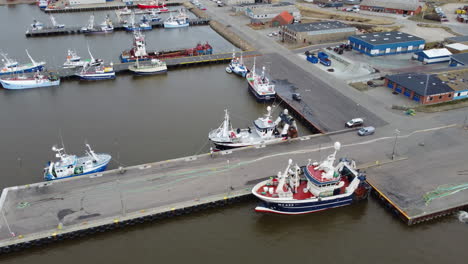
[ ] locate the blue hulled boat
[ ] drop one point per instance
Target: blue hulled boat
(72, 166)
(312, 188)
(12, 67)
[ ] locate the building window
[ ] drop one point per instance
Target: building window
(440, 96)
(458, 94)
(450, 95)
(430, 98)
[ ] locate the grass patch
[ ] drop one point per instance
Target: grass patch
(360, 86)
(445, 106)
(319, 13)
(449, 30)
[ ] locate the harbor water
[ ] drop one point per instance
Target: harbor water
(145, 119)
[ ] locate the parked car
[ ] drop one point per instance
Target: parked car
(355, 122)
(296, 96)
(365, 131)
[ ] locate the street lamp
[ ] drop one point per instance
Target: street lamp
(397, 132)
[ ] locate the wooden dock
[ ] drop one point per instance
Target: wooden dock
(99, 7)
(52, 31)
(171, 63)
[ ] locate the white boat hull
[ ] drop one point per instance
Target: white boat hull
(27, 84)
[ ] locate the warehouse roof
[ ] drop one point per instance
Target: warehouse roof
(433, 53)
(418, 82)
(458, 39)
(461, 58)
(457, 80)
(274, 9)
(394, 4)
(387, 37)
(457, 46)
(317, 26)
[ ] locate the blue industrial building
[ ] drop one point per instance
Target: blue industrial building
(386, 43)
(433, 56)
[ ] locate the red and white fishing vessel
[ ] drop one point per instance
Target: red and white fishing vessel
(152, 5)
(311, 188)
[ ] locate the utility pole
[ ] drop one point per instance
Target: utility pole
(397, 132)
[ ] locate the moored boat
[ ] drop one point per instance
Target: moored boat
(96, 72)
(131, 26)
(311, 188)
(12, 66)
(28, 82)
(181, 20)
(260, 85)
(72, 166)
(154, 67)
(36, 25)
(264, 130)
(138, 51)
(151, 5)
(237, 66)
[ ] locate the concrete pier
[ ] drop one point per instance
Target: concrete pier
(45, 212)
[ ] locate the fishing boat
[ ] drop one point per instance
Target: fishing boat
(311, 188)
(75, 61)
(89, 28)
(139, 51)
(25, 82)
(237, 66)
(36, 25)
(72, 166)
(260, 85)
(264, 130)
(151, 5)
(123, 11)
(181, 20)
(131, 26)
(12, 67)
(154, 67)
(42, 3)
(96, 72)
(107, 26)
(154, 16)
(55, 24)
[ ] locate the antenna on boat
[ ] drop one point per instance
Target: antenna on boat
(90, 55)
(253, 70)
(241, 61)
(33, 62)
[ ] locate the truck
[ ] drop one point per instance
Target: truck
(323, 58)
(311, 57)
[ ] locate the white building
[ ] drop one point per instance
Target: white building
(86, 2)
(238, 2)
(266, 14)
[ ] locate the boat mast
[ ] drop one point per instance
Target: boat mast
(226, 124)
(33, 62)
(91, 152)
(90, 55)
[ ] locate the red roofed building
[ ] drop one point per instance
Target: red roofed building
(284, 18)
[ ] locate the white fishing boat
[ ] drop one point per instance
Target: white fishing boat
(107, 26)
(312, 188)
(96, 72)
(28, 82)
(260, 85)
(264, 130)
(55, 24)
(155, 66)
(89, 28)
(237, 66)
(73, 60)
(11, 66)
(72, 166)
(36, 25)
(123, 11)
(181, 20)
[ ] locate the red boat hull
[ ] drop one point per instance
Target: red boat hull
(143, 6)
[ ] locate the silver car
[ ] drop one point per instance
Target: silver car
(365, 131)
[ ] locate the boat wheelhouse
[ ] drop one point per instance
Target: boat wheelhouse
(260, 85)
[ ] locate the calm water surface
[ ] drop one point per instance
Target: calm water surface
(141, 120)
